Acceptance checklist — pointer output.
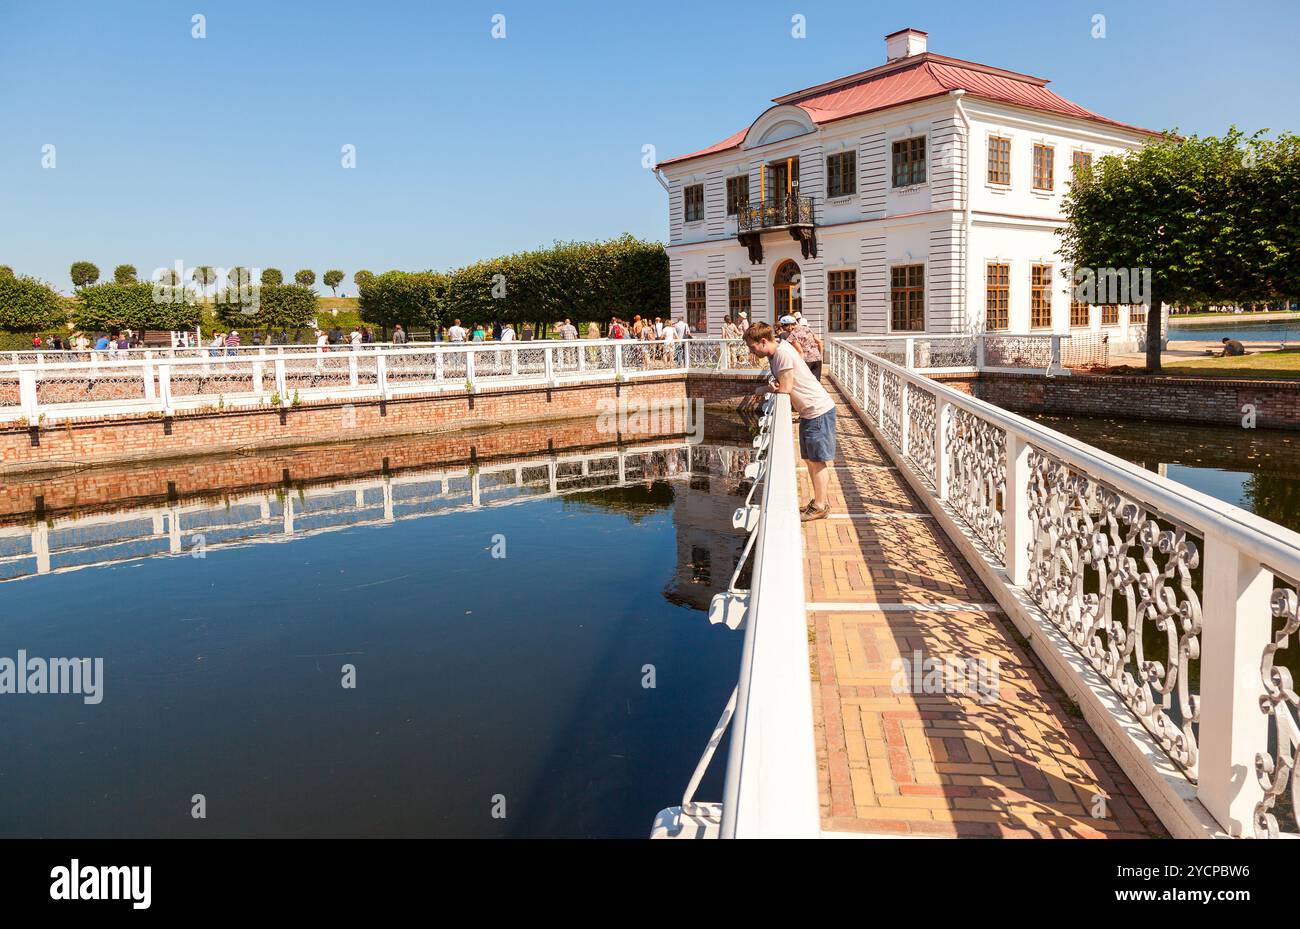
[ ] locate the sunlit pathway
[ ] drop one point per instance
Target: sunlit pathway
(990, 748)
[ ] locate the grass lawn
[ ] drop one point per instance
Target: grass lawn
(1283, 364)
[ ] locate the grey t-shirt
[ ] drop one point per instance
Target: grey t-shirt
(808, 397)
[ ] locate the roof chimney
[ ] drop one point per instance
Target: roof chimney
(904, 44)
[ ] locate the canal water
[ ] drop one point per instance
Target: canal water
(351, 655)
(1264, 330)
(1255, 469)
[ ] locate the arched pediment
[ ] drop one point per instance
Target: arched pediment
(778, 124)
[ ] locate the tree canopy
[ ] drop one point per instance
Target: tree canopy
(112, 307)
(83, 273)
(270, 306)
(1215, 220)
(125, 274)
(29, 305)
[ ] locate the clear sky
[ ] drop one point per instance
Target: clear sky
(227, 150)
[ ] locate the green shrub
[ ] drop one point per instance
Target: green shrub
(29, 305)
(138, 306)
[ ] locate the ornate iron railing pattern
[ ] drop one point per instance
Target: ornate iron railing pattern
(1177, 602)
(1083, 574)
(1275, 768)
(774, 212)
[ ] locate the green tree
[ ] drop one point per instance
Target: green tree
(204, 275)
(1213, 220)
(29, 305)
(84, 273)
(272, 276)
(113, 307)
(304, 277)
(6, 271)
(398, 297)
(362, 276)
(332, 280)
(270, 306)
(125, 274)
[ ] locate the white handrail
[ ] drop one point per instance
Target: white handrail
(771, 781)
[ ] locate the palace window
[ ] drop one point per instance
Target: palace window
(909, 162)
(1081, 161)
(1044, 165)
(841, 174)
(1080, 314)
(1110, 314)
(1137, 314)
(694, 196)
(737, 193)
(997, 297)
(999, 160)
(907, 298)
(843, 300)
(1040, 296)
(738, 297)
(696, 306)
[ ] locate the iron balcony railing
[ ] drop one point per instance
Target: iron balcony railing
(775, 213)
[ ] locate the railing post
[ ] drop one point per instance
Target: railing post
(549, 363)
(165, 387)
(618, 360)
(514, 361)
(1236, 626)
(979, 352)
(1055, 364)
(942, 469)
(147, 374)
(469, 366)
(257, 375)
(880, 395)
(1015, 515)
(686, 354)
(904, 404)
(582, 360)
(281, 382)
(438, 372)
(381, 374)
(352, 367)
(27, 394)
(909, 348)
(724, 357)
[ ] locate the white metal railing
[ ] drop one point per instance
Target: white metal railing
(993, 352)
(1179, 601)
(770, 789)
(47, 391)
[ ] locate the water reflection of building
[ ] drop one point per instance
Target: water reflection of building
(37, 543)
(708, 546)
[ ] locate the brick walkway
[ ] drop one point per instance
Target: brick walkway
(993, 750)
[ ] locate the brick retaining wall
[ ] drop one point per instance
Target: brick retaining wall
(1168, 399)
(79, 442)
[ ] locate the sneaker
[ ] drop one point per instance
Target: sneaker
(812, 505)
(813, 512)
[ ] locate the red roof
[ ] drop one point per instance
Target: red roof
(919, 77)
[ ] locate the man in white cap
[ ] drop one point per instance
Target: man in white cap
(743, 322)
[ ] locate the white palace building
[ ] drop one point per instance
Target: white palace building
(922, 195)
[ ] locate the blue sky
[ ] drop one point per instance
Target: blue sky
(226, 150)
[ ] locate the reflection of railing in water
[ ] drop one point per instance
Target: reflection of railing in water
(187, 528)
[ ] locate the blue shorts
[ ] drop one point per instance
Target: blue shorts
(817, 437)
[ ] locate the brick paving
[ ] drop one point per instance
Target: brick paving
(992, 749)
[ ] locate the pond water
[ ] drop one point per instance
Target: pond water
(1247, 330)
(493, 696)
(1255, 469)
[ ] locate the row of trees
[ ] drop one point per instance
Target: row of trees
(578, 280)
(1216, 220)
(86, 274)
(30, 305)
